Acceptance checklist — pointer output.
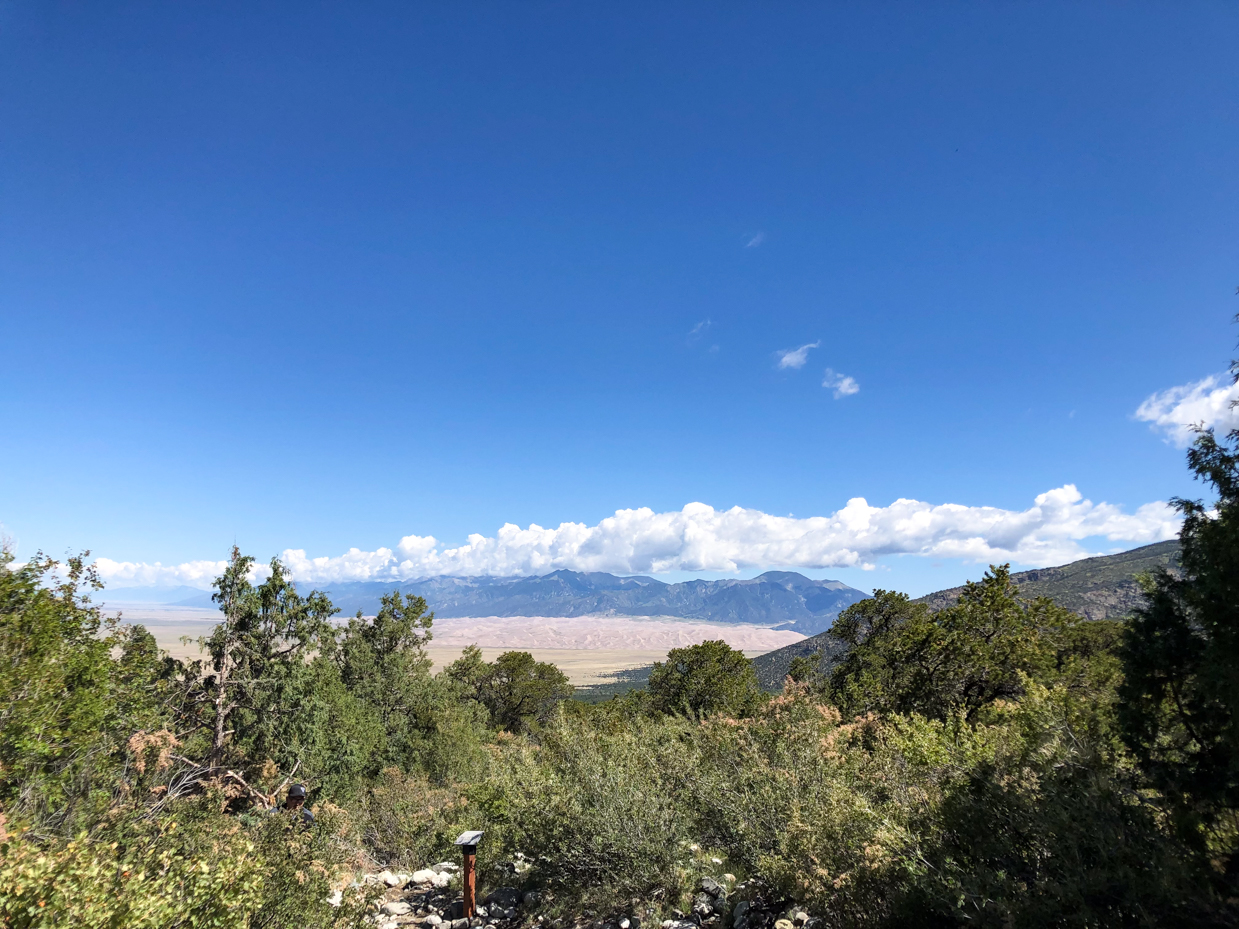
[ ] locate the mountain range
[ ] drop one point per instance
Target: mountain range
(782, 599)
(1096, 588)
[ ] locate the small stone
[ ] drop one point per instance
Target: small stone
(624, 924)
(711, 886)
(396, 908)
(476, 922)
(716, 860)
(729, 878)
(531, 898)
(504, 897)
(336, 898)
(461, 923)
(432, 920)
(800, 917)
(386, 877)
(783, 924)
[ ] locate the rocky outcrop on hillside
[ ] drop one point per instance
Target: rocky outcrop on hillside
(1096, 588)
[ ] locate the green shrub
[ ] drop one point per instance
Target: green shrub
(407, 822)
(161, 876)
(301, 865)
(190, 868)
(794, 798)
(596, 808)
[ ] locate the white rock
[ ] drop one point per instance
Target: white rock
(336, 898)
(445, 866)
(389, 879)
(424, 876)
(432, 920)
(442, 879)
(396, 908)
(717, 860)
(624, 923)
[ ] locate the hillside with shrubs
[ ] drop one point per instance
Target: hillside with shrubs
(1001, 761)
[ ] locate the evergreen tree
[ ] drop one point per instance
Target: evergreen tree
(705, 679)
(256, 695)
(902, 658)
(383, 663)
(1179, 708)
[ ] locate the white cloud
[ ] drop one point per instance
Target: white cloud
(700, 328)
(139, 574)
(796, 357)
(843, 385)
(756, 240)
(1206, 403)
(700, 538)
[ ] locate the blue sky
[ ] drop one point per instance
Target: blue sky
(329, 277)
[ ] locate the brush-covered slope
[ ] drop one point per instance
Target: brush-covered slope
(1096, 588)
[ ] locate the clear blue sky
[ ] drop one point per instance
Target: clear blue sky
(324, 276)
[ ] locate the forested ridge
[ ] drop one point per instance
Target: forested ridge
(1105, 587)
(1001, 761)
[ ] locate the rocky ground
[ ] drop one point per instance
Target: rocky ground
(432, 898)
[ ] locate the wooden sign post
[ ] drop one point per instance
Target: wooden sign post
(468, 842)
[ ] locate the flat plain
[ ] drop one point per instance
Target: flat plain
(586, 648)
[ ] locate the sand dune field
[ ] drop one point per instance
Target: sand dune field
(585, 648)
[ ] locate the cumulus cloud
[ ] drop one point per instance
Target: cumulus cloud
(756, 240)
(842, 385)
(1206, 403)
(141, 574)
(700, 538)
(796, 357)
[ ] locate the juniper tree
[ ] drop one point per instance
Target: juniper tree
(1179, 702)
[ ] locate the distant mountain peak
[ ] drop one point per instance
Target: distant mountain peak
(777, 598)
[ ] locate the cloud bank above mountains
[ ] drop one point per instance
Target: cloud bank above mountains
(699, 538)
